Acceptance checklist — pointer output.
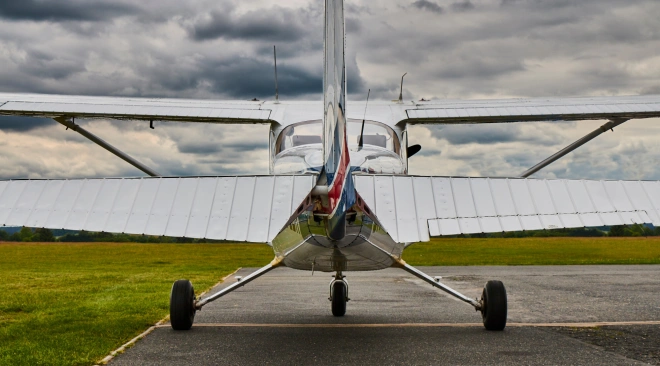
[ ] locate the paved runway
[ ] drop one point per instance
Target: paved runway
(393, 319)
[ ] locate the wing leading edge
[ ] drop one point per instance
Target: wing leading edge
(247, 208)
(535, 109)
(188, 110)
(411, 209)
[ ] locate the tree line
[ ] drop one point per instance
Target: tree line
(46, 235)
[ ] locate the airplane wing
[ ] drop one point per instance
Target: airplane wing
(246, 208)
(412, 208)
(534, 109)
(188, 110)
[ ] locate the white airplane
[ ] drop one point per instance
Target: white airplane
(339, 198)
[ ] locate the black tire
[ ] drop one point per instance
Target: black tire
(182, 305)
(339, 298)
(494, 308)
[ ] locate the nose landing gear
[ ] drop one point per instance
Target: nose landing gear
(338, 294)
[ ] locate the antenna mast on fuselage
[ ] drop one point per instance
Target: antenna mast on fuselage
(277, 91)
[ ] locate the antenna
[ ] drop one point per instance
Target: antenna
(361, 142)
(401, 93)
(277, 91)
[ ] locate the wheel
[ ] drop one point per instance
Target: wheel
(494, 306)
(339, 298)
(182, 305)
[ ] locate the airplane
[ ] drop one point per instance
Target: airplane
(338, 197)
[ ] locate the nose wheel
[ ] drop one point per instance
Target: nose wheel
(338, 295)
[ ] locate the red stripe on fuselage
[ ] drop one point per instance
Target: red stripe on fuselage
(337, 187)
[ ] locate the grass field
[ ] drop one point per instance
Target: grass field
(71, 304)
(534, 251)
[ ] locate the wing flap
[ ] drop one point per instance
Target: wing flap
(412, 208)
(253, 208)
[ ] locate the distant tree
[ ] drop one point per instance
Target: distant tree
(43, 235)
(3, 235)
(619, 230)
(586, 232)
(103, 237)
(25, 234)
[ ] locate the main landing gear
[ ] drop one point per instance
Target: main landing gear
(492, 305)
(182, 305)
(338, 294)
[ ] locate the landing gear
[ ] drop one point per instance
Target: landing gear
(182, 305)
(494, 305)
(338, 295)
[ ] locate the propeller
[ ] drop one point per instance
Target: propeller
(414, 149)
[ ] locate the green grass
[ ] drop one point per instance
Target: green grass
(71, 304)
(534, 251)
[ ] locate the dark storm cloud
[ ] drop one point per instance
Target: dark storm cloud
(64, 10)
(248, 78)
(462, 6)
(215, 147)
(467, 134)
(275, 24)
(427, 6)
(489, 134)
(23, 124)
(43, 65)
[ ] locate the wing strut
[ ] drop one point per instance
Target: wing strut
(561, 153)
(68, 122)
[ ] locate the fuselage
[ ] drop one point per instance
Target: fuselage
(337, 232)
(308, 243)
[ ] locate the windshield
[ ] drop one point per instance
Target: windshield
(309, 133)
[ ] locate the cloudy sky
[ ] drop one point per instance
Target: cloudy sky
(451, 49)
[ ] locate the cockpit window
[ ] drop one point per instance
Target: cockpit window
(375, 134)
(305, 133)
(310, 133)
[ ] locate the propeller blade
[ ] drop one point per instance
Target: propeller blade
(414, 149)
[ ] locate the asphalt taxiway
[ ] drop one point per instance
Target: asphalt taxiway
(600, 315)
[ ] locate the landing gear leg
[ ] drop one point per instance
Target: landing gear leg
(493, 303)
(184, 304)
(338, 294)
